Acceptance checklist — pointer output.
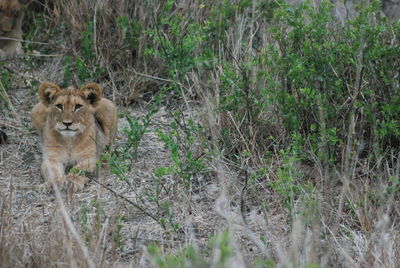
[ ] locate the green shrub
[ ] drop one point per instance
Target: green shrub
(320, 72)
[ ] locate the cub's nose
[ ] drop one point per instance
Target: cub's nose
(67, 123)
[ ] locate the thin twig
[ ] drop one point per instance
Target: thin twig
(125, 199)
(21, 40)
(44, 55)
(152, 77)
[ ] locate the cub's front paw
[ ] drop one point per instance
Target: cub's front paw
(76, 182)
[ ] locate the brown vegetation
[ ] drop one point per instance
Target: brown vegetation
(252, 134)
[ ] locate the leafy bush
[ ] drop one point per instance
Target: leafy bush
(327, 78)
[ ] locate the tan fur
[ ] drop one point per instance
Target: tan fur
(75, 125)
(11, 17)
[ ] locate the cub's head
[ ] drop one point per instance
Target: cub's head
(70, 110)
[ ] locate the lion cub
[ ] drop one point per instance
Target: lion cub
(75, 126)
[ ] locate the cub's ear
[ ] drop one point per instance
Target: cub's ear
(92, 92)
(47, 92)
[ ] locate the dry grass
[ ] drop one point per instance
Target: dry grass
(348, 219)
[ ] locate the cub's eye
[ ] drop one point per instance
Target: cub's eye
(77, 107)
(59, 107)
